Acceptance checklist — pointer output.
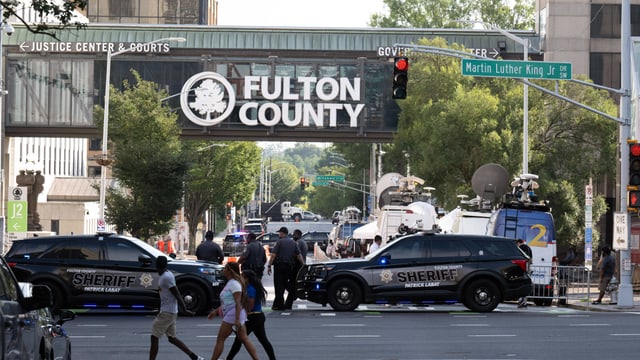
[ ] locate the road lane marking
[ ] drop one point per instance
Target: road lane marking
(87, 336)
(492, 335)
(357, 336)
(589, 324)
(341, 325)
(472, 325)
(625, 334)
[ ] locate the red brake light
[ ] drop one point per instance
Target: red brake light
(523, 263)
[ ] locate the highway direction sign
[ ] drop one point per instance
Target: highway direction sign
(517, 69)
(327, 178)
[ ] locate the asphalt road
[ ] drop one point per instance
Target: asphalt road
(438, 332)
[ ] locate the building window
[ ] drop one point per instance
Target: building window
(95, 144)
(121, 8)
(604, 69)
(605, 21)
(95, 171)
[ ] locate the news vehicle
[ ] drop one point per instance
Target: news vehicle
(423, 268)
(523, 216)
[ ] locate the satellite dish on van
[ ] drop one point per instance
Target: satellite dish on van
(387, 184)
(490, 181)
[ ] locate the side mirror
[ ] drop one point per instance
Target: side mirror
(66, 315)
(145, 260)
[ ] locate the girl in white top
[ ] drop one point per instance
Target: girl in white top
(232, 312)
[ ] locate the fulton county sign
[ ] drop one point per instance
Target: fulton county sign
(517, 69)
(208, 98)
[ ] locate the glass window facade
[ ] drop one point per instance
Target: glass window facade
(149, 11)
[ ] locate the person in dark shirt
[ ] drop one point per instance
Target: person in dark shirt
(254, 256)
(208, 250)
(283, 257)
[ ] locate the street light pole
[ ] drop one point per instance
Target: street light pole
(104, 160)
(4, 27)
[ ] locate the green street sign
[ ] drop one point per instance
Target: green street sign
(327, 178)
(17, 210)
(320, 183)
(517, 69)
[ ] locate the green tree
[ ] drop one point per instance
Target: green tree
(517, 14)
(149, 162)
(452, 124)
(59, 13)
(219, 172)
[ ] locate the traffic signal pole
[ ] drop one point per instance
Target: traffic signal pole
(625, 290)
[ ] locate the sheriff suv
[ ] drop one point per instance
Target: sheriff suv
(110, 271)
(423, 268)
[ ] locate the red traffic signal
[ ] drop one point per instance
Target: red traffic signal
(634, 165)
(400, 77)
(303, 183)
(634, 199)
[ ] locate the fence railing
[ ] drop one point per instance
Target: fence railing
(563, 284)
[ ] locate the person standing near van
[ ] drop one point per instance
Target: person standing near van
(522, 301)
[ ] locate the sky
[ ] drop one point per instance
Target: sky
(298, 13)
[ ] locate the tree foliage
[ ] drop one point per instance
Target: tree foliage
(452, 124)
(219, 172)
(512, 14)
(149, 163)
(54, 15)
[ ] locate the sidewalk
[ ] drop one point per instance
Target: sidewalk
(605, 306)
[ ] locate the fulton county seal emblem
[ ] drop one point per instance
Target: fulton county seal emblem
(207, 98)
(386, 276)
(146, 280)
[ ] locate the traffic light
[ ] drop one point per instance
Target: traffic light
(400, 77)
(634, 175)
(634, 199)
(303, 183)
(229, 206)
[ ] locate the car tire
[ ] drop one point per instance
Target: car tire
(344, 295)
(194, 297)
(482, 296)
(58, 297)
(316, 219)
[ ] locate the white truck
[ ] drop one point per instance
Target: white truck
(280, 210)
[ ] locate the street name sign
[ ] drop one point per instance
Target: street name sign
(545, 70)
(327, 178)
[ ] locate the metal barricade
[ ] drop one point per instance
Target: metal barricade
(561, 283)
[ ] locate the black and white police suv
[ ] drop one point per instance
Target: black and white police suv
(110, 271)
(424, 268)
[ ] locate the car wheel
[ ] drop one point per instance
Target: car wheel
(194, 297)
(58, 297)
(482, 296)
(315, 219)
(344, 295)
